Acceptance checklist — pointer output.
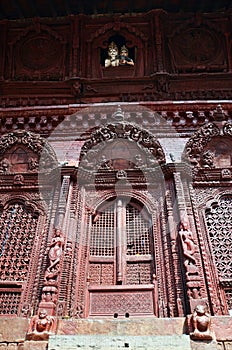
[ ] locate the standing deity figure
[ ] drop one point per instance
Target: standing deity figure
(123, 57)
(54, 255)
(187, 243)
(113, 59)
(201, 323)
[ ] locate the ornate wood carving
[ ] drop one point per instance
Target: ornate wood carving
(198, 49)
(15, 153)
(102, 303)
(37, 53)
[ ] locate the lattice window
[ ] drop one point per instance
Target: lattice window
(9, 302)
(219, 225)
(137, 231)
(17, 234)
(102, 234)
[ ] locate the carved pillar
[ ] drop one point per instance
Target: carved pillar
(52, 279)
(195, 283)
(62, 201)
(173, 234)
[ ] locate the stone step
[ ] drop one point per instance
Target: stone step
(106, 342)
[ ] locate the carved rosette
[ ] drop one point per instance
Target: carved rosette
(197, 49)
(39, 55)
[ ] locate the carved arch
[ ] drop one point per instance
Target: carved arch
(142, 196)
(30, 201)
(199, 141)
(103, 32)
(36, 145)
(124, 131)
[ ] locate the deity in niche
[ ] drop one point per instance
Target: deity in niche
(113, 59)
(201, 323)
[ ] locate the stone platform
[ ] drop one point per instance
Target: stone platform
(105, 342)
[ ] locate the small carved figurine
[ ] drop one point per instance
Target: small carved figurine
(208, 159)
(113, 59)
(56, 249)
(187, 242)
(41, 326)
(123, 57)
(4, 166)
(201, 323)
(54, 255)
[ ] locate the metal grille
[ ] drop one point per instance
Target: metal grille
(102, 234)
(9, 302)
(219, 224)
(137, 231)
(17, 233)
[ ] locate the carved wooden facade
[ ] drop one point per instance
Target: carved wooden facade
(111, 209)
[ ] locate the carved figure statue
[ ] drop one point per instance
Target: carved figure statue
(123, 57)
(113, 59)
(4, 166)
(54, 255)
(208, 159)
(56, 249)
(201, 323)
(41, 326)
(187, 242)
